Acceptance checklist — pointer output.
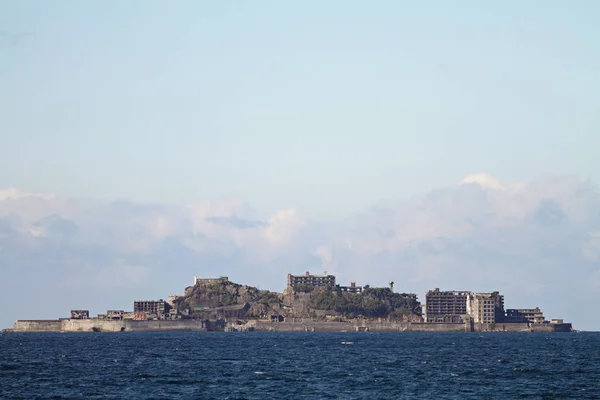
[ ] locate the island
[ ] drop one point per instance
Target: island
(310, 303)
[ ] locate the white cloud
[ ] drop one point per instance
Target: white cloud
(484, 180)
(530, 240)
(14, 194)
(282, 226)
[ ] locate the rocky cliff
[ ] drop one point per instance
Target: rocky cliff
(225, 299)
(228, 299)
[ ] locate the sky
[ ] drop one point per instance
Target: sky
(157, 141)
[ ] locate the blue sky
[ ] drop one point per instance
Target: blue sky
(324, 106)
(253, 139)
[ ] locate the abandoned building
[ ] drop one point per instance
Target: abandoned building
(311, 280)
(461, 306)
(351, 289)
(80, 314)
(487, 308)
(115, 314)
(530, 315)
(210, 281)
(448, 306)
(159, 307)
(140, 316)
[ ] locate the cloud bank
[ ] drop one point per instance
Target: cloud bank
(537, 242)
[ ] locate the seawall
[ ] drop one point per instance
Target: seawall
(96, 325)
(362, 326)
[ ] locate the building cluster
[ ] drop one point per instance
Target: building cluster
(295, 282)
(143, 310)
(440, 306)
(463, 306)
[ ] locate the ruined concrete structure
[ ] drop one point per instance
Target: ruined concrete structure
(486, 308)
(115, 314)
(478, 308)
(351, 289)
(310, 280)
(158, 308)
(210, 281)
(461, 306)
(80, 314)
(446, 306)
(531, 315)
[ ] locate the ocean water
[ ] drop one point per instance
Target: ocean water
(300, 366)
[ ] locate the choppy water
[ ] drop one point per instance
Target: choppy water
(300, 366)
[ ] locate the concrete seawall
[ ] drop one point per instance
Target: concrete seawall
(95, 325)
(365, 326)
(37, 326)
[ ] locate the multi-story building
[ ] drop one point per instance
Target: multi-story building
(351, 289)
(446, 306)
(311, 280)
(529, 315)
(486, 308)
(152, 307)
(460, 306)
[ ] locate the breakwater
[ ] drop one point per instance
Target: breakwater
(96, 325)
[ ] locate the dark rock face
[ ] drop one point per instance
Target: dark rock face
(213, 299)
(228, 299)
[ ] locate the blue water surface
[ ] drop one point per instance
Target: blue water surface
(255, 365)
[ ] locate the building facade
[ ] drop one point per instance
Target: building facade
(158, 308)
(486, 308)
(529, 315)
(351, 289)
(461, 306)
(446, 306)
(307, 279)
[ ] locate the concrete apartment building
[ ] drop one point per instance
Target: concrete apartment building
(351, 289)
(460, 306)
(157, 308)
(446, 306)
(530, 315)
(486, 308)
(311, 280)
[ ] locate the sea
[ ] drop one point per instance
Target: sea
(258, 365)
